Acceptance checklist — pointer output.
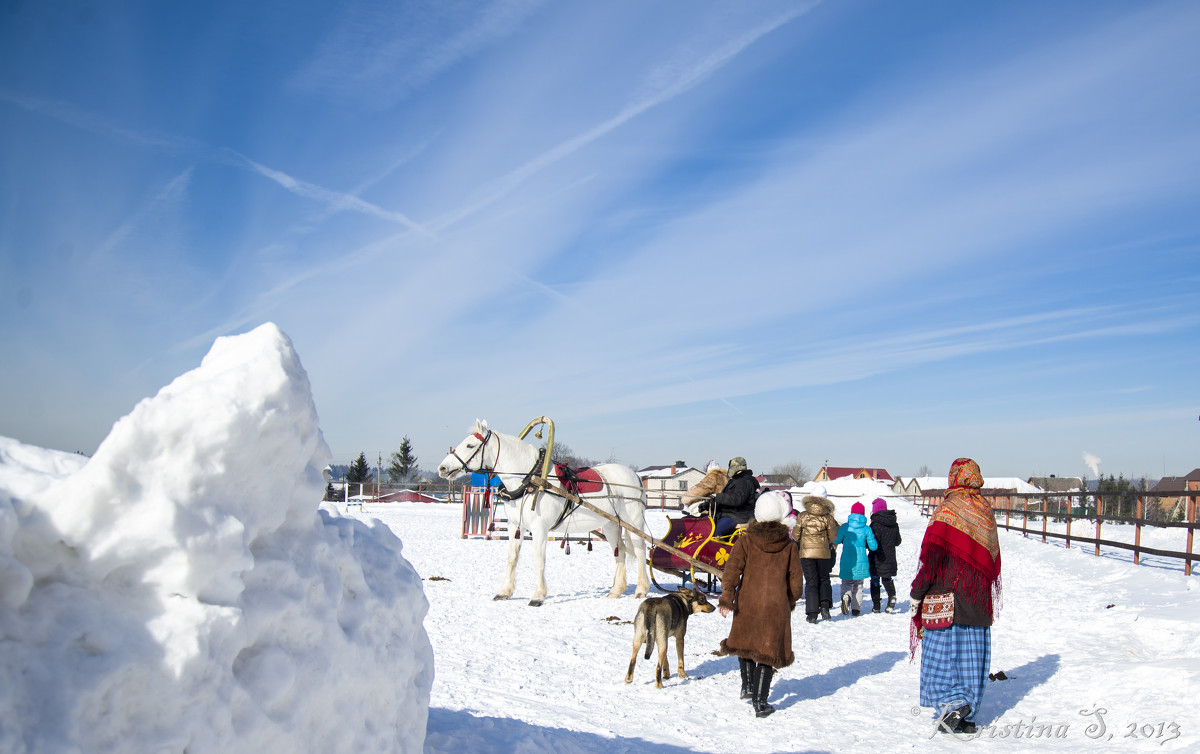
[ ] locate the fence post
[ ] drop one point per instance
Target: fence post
(1099, 513)
(1191, 517)
(1045, 510)
(1025, 519)
(1137, 532)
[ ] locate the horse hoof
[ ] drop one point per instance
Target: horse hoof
(535, 603)
(499, 597)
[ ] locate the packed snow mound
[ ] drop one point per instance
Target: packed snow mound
(845, 491)
(184, 590)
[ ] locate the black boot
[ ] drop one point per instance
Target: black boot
(951, 720)
(762, 689)
(825, 612)
(747, 668)
(890, 586)
(875, 600)
(812, 618)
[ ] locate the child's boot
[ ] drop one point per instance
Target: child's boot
(875, 597)
(890, 586)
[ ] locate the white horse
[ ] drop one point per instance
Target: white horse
(515, 462)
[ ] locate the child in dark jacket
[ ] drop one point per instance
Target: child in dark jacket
(883, 559)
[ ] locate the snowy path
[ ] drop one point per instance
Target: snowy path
(515, 678)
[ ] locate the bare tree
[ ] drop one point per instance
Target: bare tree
(795, 469)
(562, 453)
(924, 471)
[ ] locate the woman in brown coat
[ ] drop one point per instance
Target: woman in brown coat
(815, 531)
(760, 586)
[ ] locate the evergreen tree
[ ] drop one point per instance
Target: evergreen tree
(403, 467)
(358, 473)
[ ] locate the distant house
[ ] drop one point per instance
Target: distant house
(858, 472)
(665, 485)
(908, 488)
(1173, 494)
(1060, 484)
(777, 481)
(405, 496)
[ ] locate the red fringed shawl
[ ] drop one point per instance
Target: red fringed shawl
(960, 548)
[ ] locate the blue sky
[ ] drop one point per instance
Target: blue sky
(872, 233)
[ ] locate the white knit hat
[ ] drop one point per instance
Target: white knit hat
(712, 465)
(771, 506)
(819, 491)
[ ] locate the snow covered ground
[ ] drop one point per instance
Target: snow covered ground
(186, 590)
(1078, 634)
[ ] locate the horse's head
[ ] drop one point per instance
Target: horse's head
(469, 455)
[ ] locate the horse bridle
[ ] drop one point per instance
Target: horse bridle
(482, 444)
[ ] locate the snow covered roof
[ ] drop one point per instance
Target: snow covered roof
(837, 472)
(653, 472)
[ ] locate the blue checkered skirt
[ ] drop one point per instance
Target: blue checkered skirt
(954, 667)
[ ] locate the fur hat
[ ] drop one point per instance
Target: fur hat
(772, 506)
(878, 504)
(736, 464)
(858, 508)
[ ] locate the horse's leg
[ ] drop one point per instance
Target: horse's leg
(638, 546)
(539, 532)
(614, 535)
(510, 574)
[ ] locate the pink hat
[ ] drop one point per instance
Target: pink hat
(858, 508)
(879, 504)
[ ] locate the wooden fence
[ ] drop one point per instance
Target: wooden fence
(1041, 508)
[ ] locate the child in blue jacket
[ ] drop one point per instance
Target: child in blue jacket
(856, 538)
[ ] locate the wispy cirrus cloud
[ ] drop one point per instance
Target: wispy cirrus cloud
(380, 53)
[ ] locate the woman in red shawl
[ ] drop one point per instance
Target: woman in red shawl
(961, 554)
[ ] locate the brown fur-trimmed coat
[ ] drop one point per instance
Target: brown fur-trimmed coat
(712, 483)
(761, 584)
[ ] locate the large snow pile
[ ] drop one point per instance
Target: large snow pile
(183, 590)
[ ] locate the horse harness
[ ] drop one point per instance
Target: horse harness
(571, 502)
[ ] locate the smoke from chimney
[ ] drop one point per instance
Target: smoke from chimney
(1092, 462)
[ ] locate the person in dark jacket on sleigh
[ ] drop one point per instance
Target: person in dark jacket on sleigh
(883, 558)
(735, 504)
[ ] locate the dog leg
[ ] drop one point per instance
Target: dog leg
(664, 666)
(639, 638)
(679, 651)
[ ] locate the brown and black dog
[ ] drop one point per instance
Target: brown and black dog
(659, 618)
